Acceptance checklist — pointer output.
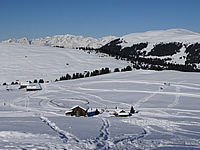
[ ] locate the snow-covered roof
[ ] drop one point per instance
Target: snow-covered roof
(24, 83)
(123, 114)
(119, 110)
(34, 86)
(68, 111)
(84, 107)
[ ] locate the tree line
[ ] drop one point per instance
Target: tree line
(87, 74)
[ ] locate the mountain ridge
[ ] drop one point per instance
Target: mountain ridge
(66, 41)
(76, 41)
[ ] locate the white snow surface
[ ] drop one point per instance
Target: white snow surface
(166, 119)
(158, 36)
(167, 102)
(28, 62)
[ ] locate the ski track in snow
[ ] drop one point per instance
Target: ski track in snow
(131, 138)
(69, 140)
(143, 100)
(147, 122)
(125, 139)
(176, 101)
(65, 136)
(92, 97)
(103, 141)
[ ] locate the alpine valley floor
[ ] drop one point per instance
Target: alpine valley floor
(168, 105)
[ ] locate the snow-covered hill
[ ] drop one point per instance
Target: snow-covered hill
(175, 46)
(28, 62)
(158, 36)
(67, 41)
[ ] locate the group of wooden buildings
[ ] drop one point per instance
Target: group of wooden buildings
(77, 110)
(30, 86)
(82, 110)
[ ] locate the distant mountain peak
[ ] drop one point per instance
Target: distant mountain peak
(76, 41)
(68, 41)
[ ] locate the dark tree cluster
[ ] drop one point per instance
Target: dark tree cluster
(86, 48)
(116, 70)
(112, 48)
(14, 83)
(37, 81)
(163, 66)
(91, 74)
(128, 68)
(166, 49)
(67, 77)
(115, 50)
(139, 57)
(77, 76)
(193, 53)
(41, 81)
(59, 46)
(134, 50)
(85, 75)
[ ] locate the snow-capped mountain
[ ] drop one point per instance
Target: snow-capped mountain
(22, 41)
(67, 41)
(175, 46)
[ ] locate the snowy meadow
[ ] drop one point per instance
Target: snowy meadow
(167, 118)
(167, 105)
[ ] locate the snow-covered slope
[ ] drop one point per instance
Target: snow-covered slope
(67, 41)
(178, 46)
(165, 36)
(28, 62)
(166, 119)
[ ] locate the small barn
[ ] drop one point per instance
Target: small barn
(79, 110)
(23, 85)
(34, 87)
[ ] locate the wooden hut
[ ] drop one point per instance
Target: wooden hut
(79, 110)
(23, 85)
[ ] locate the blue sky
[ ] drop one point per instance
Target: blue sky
(95, 18)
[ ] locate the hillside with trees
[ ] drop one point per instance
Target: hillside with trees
(157, 54)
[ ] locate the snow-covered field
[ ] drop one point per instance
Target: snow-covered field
(167, 102)
(28, 62)
(167, 118)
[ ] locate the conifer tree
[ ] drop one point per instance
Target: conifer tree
(132, 111)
